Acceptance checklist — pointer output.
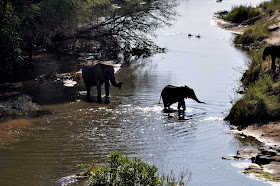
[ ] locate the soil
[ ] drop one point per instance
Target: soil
(268, 133)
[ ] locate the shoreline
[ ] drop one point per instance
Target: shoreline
(267, 133)
(266, 163)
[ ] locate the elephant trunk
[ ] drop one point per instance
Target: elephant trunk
(195, 98)
(114, 83)
(199, 101)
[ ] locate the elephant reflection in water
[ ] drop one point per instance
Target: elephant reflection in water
(172, 94)
(274, 52)
(95, 74)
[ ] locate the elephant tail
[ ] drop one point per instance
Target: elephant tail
(159, 99)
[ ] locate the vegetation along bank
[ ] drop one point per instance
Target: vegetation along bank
(257, 112)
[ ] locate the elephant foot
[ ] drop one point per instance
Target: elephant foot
(107, 100)
(88, 99)
(120, 85)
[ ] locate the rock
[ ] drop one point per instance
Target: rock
(269, 151)
(228, 158)
(246, 154)
(262, 159)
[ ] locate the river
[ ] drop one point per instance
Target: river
(73, 131)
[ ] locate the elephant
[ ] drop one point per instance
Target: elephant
(273, 51)
(172, 94)
(95, 74)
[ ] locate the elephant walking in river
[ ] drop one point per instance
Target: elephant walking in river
(95, 74)
(172, 94)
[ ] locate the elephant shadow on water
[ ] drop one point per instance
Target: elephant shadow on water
(173, 94)
(95, 74)
(181, 115)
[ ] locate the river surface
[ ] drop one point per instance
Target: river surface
(73, 131)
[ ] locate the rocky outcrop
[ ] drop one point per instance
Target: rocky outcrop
(266, 158)
(267, 155)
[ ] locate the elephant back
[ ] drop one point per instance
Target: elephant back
(89, 74)
(172, 94)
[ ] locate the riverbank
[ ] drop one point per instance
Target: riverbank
(257, 113)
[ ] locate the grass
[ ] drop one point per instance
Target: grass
(241, 13)
(253, 35)
(120, 170)
(270, 6)
(261, 101)
(259, 172)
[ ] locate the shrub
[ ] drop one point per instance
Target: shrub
(123, 171)
(253, 35)
(259, 104)
(21, 106)
(241, 13)
(270, 6)
(255, 68)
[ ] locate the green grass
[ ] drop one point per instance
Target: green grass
(261, 101)
(241, 13)
(253, 35)
(120, 170)
(270, 6)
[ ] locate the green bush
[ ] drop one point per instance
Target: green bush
(9, 38)
(123, 171)
(259, 104)
(253, 35)
(254, 68)
(21, 106)
(241, 13)
(270, 6)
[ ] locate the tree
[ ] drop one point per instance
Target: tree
(9, 37)
(127, 26)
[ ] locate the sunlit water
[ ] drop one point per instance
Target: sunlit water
(73, 131)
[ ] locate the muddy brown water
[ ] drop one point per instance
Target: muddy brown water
(72, 131)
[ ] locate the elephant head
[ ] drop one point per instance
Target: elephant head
(189, 93)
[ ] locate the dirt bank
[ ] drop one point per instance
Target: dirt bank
(268, 133)
(267, 160)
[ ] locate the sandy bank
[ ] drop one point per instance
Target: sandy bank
(268, 133)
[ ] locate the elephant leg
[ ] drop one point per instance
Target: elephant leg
(98, 93)
(107, 89)
(88, 93)
(182, 104)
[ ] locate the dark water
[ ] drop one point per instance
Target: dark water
(74, 131)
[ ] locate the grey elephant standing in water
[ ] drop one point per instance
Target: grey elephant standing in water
(172, 94)
(95, 74)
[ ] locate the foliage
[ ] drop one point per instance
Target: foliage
(255, 68)
(270, 6)
(253, 35)
(21, 106)
(9, 38)
(123, 171)
(241, 13)
(261, 101)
